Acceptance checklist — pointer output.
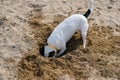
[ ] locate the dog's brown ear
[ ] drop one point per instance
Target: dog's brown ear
(58, 51)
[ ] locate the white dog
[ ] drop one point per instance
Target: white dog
(56, 43)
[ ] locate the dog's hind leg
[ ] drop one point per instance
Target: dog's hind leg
(84, 34)
(84, 40)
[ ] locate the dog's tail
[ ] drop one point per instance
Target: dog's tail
(90, 8)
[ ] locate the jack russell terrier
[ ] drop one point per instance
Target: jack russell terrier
(56, 43)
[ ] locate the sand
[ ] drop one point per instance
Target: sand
(26, 24)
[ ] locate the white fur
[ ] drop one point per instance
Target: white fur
(65, 30)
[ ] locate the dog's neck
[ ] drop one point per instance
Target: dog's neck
(53, 47)
(49, 48)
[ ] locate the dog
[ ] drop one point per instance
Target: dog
(56, 43)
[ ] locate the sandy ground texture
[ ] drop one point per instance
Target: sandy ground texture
(26, 24)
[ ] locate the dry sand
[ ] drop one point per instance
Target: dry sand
(26, 24)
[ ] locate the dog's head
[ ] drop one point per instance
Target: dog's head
(47, 51)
